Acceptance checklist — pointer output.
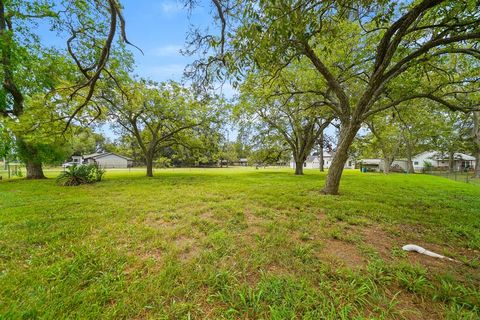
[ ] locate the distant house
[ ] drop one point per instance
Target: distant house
(104, 160)
(243, 162)
(436, 160)
(378, 165)
(371, 164)
(461, 161)
(313, 162)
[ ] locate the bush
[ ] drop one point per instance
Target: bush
(82, 174)
(163, 162)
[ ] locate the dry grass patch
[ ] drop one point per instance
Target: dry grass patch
(342, 253)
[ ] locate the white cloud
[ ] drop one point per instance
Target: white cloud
(227, 90)
(167, 71)
(171, 7)
(167, 51)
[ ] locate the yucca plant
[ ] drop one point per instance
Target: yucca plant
(82, 174)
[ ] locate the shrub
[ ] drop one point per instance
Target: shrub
(163, 162)
(82, 174)
(427, 166)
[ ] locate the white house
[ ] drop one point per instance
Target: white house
(378, 165)
(104, 160)
(440, 160)
(436, 159)
(313, 162)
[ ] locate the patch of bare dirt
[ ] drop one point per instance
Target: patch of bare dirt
(188, 247)
(382, 241)
(158, 222)
(347, 254)
(207, 215)
(254, 225)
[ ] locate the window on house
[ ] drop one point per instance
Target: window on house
(304, 164)
(349, 163)
(415, 162)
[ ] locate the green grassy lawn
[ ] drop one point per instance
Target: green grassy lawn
(457, 176)
(239, 244)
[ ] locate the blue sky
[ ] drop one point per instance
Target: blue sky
(159, 28)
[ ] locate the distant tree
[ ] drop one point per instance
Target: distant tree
(228, 153)
(270, 149)
(419, 125)
(476, 141)
(7, 151)
(157, 115)
(299, 119)
(454, 135)
(84, 141)
(386, 138)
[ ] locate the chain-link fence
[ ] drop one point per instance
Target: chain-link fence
(462, 176)
(11, 171)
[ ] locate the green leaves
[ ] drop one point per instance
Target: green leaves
(81, 174)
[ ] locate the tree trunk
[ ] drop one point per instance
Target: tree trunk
(149, 161)
(34, 170)
(476, 141)
(29, 154)
(477, 164)
(451, 162)
(410, 168)
(347, 135)
(320, 158)
(299, 167)
(320, 154)
(386, 165)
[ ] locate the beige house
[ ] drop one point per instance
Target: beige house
(104, 160)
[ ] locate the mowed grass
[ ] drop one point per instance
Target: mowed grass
(239, 244)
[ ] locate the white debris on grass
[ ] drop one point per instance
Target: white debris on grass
(413, 247)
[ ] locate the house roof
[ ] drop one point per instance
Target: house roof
(436, 155)
(371, 161)
(315, 158)
(326, 154)
(92, 155)
(463, 156)
(101, 155)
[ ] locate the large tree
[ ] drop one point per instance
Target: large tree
(29, 67)
(371, 55)
(298, 118)
(157, 115)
